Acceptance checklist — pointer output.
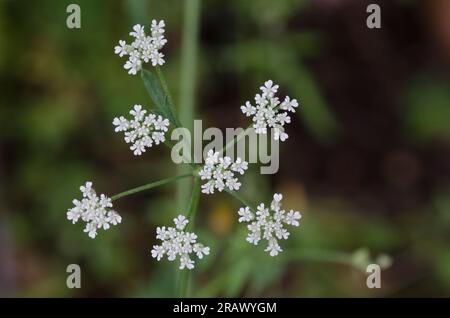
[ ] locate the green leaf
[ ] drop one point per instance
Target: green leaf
(160, 98)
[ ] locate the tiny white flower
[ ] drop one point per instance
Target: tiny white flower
(208, 187)
(254, 238)
(245, 215)
(266, 113)
(158, 137)
(161, 123)
(273, 248)
(200, 250)
(93, 209)
(205, 174)
(157, 27)
(138, 31)
(144, 48)
(269, 89)
(212, 158)
(91, 229)
(144, 130)
(180, 222)
(293, 217)
(133, 66)
(268, 223)
(157, 252)
(176, 243)
(220, 172)
(239, 166)
(138, 112)
(121, 49)
(121, 124)
(161, 233)
(283, 118)
(186, 262)
(277, 197)
(248, 109)
(289, 105)
(138, 147)
(232, 184)
(157, 58)
(76, 212)
(114, 218)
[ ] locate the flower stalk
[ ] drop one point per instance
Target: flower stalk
(149, 186)
(184, 276)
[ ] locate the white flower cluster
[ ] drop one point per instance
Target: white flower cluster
(144, 48)
(269, 225)
(95, 210)
(143, 130)
(267, 112)
(178, 243)
(220, 172)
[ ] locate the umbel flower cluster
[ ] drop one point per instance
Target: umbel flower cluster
(220, 172)
(144, 48)
(143, 130)
(268, 224)
(268, 112)
(95, 210)
(146, 129)
(177, 243)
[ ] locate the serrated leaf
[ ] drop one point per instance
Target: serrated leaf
(160, 99)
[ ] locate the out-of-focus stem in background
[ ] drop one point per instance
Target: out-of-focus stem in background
(188, 85)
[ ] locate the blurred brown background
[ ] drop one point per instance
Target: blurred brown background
(367, 160)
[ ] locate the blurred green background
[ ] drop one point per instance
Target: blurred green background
(367, 160)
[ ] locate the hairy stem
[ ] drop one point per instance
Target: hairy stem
(150, 185)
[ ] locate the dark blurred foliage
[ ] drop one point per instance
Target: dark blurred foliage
(367, 160)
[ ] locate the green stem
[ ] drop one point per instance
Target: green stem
(149, 186)
(188, 83)
(168, 143)
(241, 199)
(236, 139)
(184, 276)
(188, 75)
(193, 204)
